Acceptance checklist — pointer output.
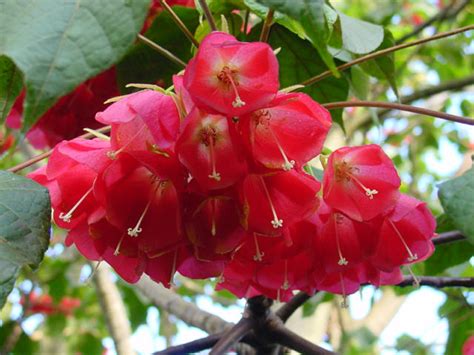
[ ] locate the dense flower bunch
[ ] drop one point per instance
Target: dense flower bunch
(209, 181)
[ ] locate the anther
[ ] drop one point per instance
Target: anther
(67, 217)
(411, 256)
(276, 222)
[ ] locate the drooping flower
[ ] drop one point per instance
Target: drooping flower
(361, 182)
(290, 130)
(231, 77)
(209, 147)
(70, 177)
(275, 201)
(405, 235)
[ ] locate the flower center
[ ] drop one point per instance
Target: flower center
(229, 78)
(347, 172)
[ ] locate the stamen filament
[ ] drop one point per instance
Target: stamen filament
(67, 217)
(416, 281)
(135, 231)
(276, 222)
(259, 255)
(173, 269)
(411, 256)
(117, 249)
(213, 217)
(214, 174)
(287, 164)
(342, 260)
(344, 303)
(113, 154)
(368, 192)
(286, 285)
(228, 75)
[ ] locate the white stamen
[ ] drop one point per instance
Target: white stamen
(67, 217)
(286, 285)
(342, 260)
(344, 303)
(259, 255)
(117, 249)
(276, 222)
(416, 281)
(287, 164)
(411, 256)
(214, 174)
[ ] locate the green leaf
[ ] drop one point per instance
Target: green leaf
(456, 197)
(25, 216)
(360, 82)
(311, 15)
(383, 67)
(298, 61)
(58, 46)
(360, 37)
(144, 65)
(11, 83)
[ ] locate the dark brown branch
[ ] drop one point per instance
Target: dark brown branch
(164, 52)
(438, 282)
(447, 237)
(285, 311)
(233, 335)
(192, 347)
(402, 107)
(266, 26)
(446, 13)
(385, 51)
(45, 155)
(286, 337)
(208, 14)
(179, 23)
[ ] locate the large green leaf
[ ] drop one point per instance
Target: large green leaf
(311, 15)
(299, 60)
(457, 199)
(10, 86)
(25, 216)
(144, 65)
(359, 37)
(59, 45)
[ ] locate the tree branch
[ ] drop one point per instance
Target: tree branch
(447, 237)
(438, 282)
(233, 335)
(385, 51)
(193, 346)
(179, 23)
(444, 14)
(402, 107)
(208, 14)
(114, 311)
(186, 311)
(285, 311)
(164, 52)
(286, 337)
(267, 24)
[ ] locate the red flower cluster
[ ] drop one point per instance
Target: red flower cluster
(44, 304)
(209, 181)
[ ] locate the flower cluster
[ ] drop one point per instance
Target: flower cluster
(210, 181)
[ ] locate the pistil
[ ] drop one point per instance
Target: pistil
(411, 256)
(276, 222)
(226, 75)
(67, 217)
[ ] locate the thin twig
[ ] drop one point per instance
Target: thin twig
(444, 14)
(285, 311)
(286, 337)
(192, 347)
(438, 282)
(266, 26)
(45, 155)
(385, 51)
(179, 23)
(447, 237)
(233, 335)
(401, 107)
(208, 14)
(164, 52)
